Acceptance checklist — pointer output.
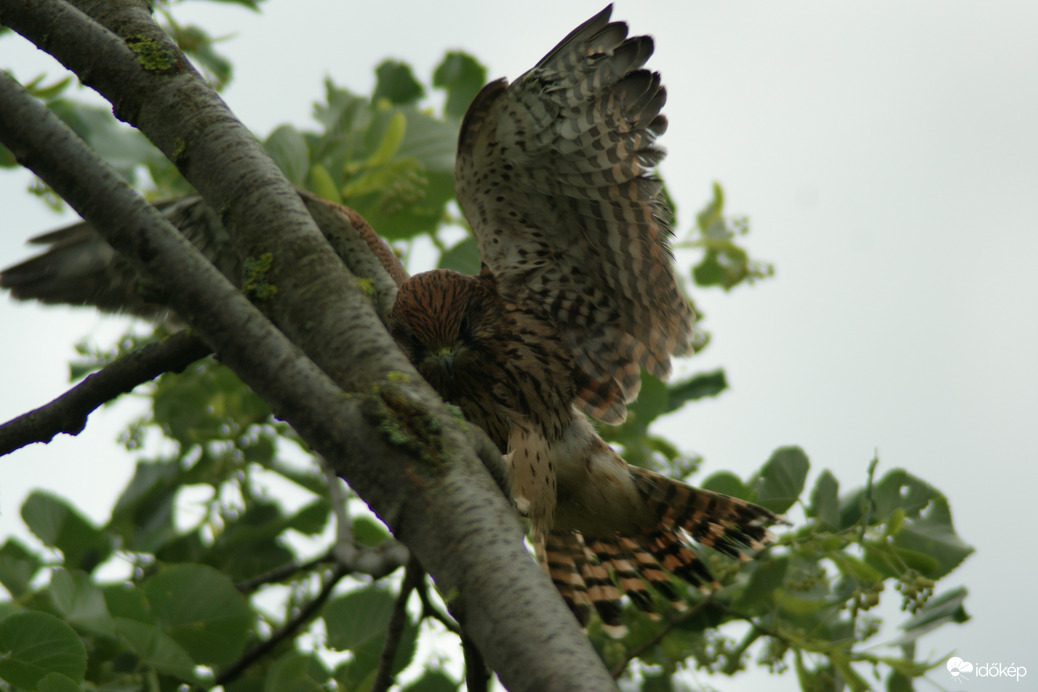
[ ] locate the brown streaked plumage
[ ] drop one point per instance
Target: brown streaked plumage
(577, 294)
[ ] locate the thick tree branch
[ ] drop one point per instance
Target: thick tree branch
(68, 413)
(425, 483)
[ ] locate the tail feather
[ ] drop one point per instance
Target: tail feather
(582, 579)
(726, 524)
(560, 556)
(597, 571)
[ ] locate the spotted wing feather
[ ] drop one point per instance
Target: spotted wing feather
(80, 268)
(554, 173)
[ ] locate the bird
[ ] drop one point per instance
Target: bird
(576, 297)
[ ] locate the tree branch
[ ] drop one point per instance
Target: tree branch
(384, 430)
(384, 674)
(68, 413)
(477, 677)
(288, 630)
(658, 636)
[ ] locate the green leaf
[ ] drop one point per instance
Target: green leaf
(127, 602)
(369, 531)
(462, 257)
(392, 138)
(156, 649)
(782, 478)
(899, 489)
(357, 617)
(727, 483)
(198, 44)
(7, 159)
(251, 542)
(56, 523)
(47, 92)
(297, 672)
(205, 402)
(357, 622)
(143, 514)
(288, 149)
(81, 602)
(825, 501)
(311, 519)
(395, 82)
(56, 682)
(855, 568)
(17, 567)
(897, 682)
(892, 560)
(34, 645)
(433, 681)
(697, 387)
(123, 147)
(933, 535)
(322, 184)
(201, 610)
(765, 577)
(652, 399)
(462, 76)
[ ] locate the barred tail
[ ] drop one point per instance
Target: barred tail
(592, 573)
(726, 524)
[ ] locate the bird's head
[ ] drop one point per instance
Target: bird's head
(445, 323)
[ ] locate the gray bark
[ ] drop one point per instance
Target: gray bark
(319, 356)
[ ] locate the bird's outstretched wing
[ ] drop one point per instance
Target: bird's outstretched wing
(79, 267)
(554, 174)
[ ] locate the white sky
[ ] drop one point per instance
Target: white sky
(887, 156)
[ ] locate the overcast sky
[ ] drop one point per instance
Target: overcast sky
(886, 154)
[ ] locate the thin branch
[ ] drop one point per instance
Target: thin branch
(477, 677)
(395, 629)
(430, 610)
(279, 574)
(68, 413)
(288, 630)
(656, 638)
(376, 562)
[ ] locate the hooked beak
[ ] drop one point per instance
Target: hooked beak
(445, 357)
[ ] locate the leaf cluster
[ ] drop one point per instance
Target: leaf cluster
(221, 576)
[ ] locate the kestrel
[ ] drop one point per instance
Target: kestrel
(577, 295)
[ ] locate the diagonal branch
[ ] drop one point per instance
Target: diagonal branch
(384, 430)
(658, 636)
(286, 631)
(68, 413)
(395, 630)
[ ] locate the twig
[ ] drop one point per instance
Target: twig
(430, 610)
(281, 573)
(637, 651)
(477, 676)
(384, 675)
(286, 631)
(68, 413)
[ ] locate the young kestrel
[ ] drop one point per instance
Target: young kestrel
(576, 296)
